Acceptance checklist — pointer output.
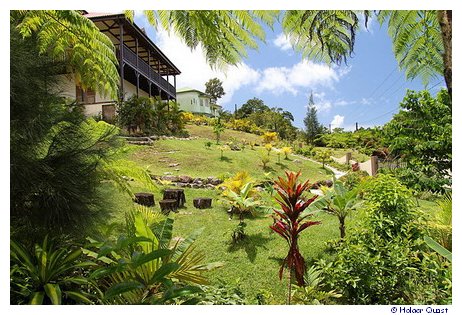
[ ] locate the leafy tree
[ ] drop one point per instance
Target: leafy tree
(313, 128)
(218, 129)
(214, 88)
(56, 155)
(136, 114)
(324, 156)
(254, 105)
(421, 135)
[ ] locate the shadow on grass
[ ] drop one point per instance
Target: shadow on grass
(326, 170)
(226, 159)
(268, 169)
(282, 165)
(250, 245)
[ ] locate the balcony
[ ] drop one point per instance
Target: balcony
(142, 66)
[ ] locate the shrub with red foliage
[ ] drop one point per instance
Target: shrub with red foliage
(289, 222)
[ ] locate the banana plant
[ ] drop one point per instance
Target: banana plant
(242, 202)
(340, 202)
(147, 266)
(49, 275)
(290, 222)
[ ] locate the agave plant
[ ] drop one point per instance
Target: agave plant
(147, 266)
(290, 222)
(48, 275)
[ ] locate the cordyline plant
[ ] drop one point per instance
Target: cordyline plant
(289, 222)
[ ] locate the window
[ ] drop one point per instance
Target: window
(201, 102)
(85, 97)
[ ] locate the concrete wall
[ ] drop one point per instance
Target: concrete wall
(66, 87)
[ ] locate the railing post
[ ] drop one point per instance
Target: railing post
(374, 165)
(348, 158)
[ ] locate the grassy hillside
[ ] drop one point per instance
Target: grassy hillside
(195, 159)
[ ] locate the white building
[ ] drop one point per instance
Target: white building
(197, 102)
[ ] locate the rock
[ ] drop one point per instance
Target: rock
(180, 184)
(185, 179)
(177, 169)
(209, 186)
(197, 181)
(215, 181)
(173, 165)
(297, 161)
(168, 173)
(259, 189)
(195, 186)
(170, 178)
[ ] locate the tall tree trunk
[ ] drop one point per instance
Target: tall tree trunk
(342, 227)
(445, 20)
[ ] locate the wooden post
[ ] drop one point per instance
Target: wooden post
(374, 165)
(348, 158)
(137, 84)
(121, 61)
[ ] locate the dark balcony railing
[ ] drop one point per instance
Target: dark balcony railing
(143, 67)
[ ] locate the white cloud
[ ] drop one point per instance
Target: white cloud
(283, 42)
(337, 122)
(196, 71)
(305, 74)
(365, 101)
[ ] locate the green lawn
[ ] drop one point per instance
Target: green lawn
(206, 132)
(196, 160)
(254, 264)
(339, 152)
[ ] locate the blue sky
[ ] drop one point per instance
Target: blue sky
(367, 90)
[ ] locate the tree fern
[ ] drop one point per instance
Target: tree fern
(327, 36)
(224, 35)
(66, 35)
(417, 42)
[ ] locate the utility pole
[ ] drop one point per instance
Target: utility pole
(235, 110)
(330, 128)
(356, 126)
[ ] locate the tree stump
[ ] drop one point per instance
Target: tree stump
(176, 194)
(202, 203)
(145, 199)
(168, 205)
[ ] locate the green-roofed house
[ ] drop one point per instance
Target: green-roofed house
(196, 102)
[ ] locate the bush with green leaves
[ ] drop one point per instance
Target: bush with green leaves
(421, 135)
(146, 265)
(353, 179)
(385, 259)
(50, 274)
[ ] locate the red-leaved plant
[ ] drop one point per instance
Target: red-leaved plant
(289, 222)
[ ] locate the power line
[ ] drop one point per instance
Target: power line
(351, 113)
(382, 115)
